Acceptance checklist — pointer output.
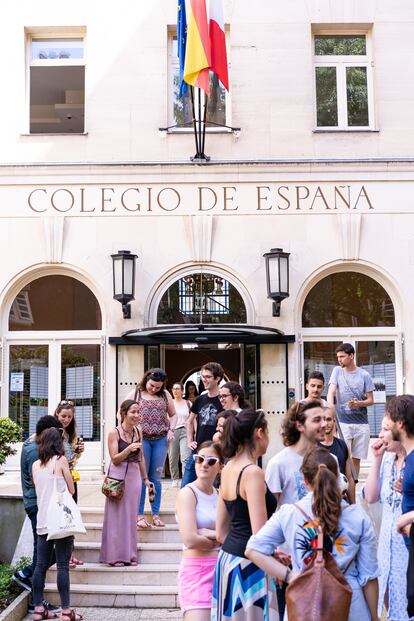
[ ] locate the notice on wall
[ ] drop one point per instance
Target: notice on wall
(379, 392)
(79, 382)
(16, 382)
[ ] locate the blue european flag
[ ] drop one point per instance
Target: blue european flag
(182, 43)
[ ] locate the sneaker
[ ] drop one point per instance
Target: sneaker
(50, 607)
(24, 581)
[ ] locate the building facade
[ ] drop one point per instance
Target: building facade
(316, 158)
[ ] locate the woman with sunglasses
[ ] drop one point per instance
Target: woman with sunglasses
(74, 447)
(241, 590)
(196, 515)
(156, 407)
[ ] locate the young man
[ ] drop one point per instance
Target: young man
(203, 412)
(338, 447)
(400, 412)
(303, 426)
(29, 455)
(353, 388)
(314, 387)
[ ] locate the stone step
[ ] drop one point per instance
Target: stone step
(167, 534)
(147, 575)
(118, 596)
(147, 552)
(95, 514)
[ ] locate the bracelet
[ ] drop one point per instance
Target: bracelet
(288, 572)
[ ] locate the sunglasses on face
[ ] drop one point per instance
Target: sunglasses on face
(210, 461)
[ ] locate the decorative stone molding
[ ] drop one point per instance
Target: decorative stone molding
(53, 229)
(201, 237)
(350, 235)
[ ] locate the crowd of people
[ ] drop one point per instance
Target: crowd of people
(249, 536)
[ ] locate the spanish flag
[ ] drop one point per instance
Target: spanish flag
(197, 54)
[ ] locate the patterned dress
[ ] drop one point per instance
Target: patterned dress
(392, 552)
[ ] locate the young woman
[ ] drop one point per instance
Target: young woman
(119, 535)
(178, 448)
(74, 447)
(52, 462)
(232, 397)
(155, 406)
(191, 391)
(383, 484)
(244, 505)
(349, 535)
(196, 516)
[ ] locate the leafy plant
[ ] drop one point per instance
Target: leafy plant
(7, 586)
(10, 433)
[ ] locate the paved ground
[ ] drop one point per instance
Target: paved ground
(125, 614)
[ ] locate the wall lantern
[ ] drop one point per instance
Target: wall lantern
(123, 268)
(277, 277)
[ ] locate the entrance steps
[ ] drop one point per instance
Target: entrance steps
(152, 584)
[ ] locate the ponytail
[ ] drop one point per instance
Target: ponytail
(321, 471)
(239, 430)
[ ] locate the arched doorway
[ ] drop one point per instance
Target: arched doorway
(353, 307)
(53, 353)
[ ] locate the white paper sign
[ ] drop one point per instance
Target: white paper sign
(16, 382)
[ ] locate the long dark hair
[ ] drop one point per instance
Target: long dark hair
(296, 414)
(237, 391)
(187, 386)
(320, 470)
(238, 432)
(156, 375)
(50, 444)
(71, 428)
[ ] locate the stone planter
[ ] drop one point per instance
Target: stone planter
(17, 609)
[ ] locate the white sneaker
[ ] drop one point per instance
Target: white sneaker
(175, 483)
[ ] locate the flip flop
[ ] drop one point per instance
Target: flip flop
(157, 522)
(142, 523)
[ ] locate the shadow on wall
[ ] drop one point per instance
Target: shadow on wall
(12, 516)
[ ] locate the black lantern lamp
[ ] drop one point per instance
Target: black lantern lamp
(277, 277)
(123, 268)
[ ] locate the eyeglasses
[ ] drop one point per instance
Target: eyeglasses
(65, 402)
(210, 461)
(207, 377)
(224, 396)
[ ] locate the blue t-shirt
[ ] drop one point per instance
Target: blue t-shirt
(354, 385)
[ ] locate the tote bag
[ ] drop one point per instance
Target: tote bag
(63, 516)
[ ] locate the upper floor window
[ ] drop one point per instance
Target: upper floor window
(180, 108)
(343, 81)
(57, 85)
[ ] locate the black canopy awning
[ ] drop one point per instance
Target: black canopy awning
(201, 333)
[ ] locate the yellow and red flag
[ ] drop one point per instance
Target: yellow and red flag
(197, 55)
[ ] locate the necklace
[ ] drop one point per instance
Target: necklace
(127, 433)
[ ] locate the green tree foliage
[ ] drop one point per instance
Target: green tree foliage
(10, 433)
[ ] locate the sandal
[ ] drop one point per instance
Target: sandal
(39, 615)
(71, 616)
(76, 561)
(156, 521)
(142, 523)
(118, 564)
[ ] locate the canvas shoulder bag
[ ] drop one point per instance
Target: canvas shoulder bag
(320, 592)
(63, 515)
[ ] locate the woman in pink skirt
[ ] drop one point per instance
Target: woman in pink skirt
(119, 536)
(196, 516)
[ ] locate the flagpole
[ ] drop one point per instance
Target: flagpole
(204, 127)
(194, 122)
(200, 152)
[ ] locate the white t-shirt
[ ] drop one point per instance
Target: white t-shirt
(283, 476)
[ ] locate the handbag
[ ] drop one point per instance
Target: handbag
(114, 488)
(63, 516)
(320, 592)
